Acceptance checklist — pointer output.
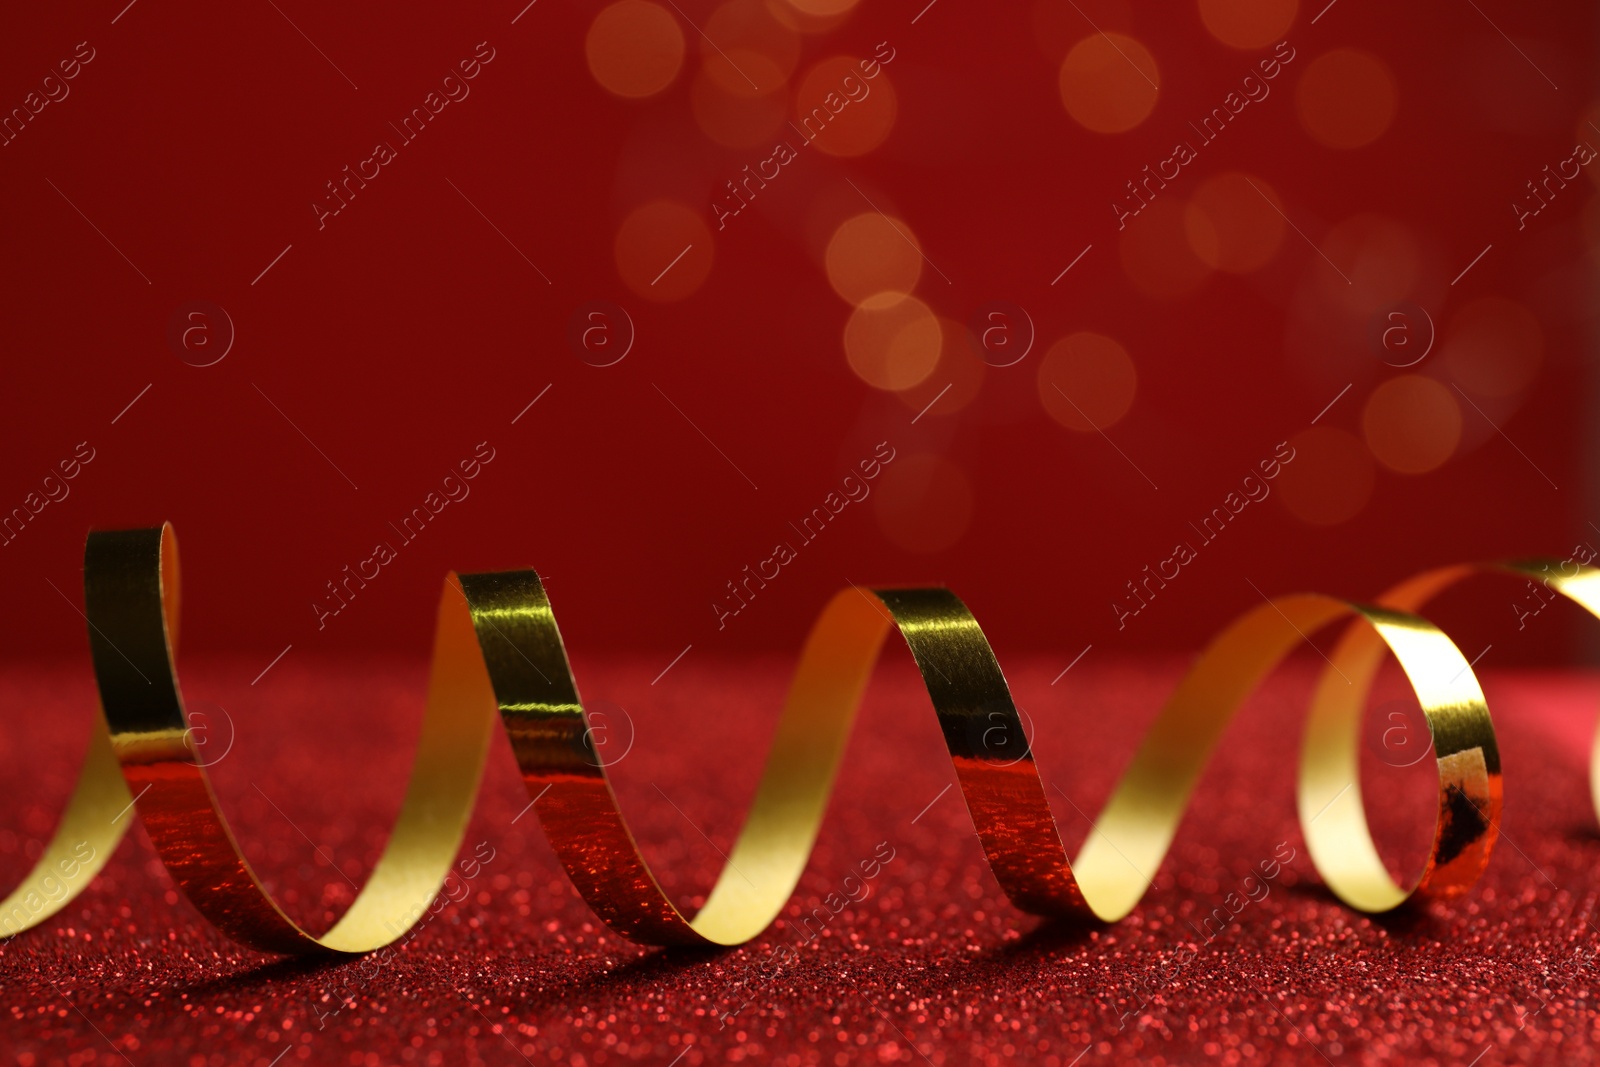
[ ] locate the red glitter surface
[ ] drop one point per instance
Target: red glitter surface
(932, 965)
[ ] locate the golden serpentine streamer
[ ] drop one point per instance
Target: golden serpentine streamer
(497, 651)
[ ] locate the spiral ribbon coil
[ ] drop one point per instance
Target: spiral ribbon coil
(498, 652)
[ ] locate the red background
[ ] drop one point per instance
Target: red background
(415, 325)
(408, 330)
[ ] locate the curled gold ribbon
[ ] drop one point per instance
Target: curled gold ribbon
(1331, 811)
(497, 650)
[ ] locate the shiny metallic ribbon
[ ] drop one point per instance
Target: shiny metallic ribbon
(497, 651)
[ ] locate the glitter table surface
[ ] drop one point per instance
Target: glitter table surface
(898, 947)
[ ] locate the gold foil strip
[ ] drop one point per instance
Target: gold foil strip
(498, 652)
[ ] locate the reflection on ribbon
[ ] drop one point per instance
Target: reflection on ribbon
(498, 653)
